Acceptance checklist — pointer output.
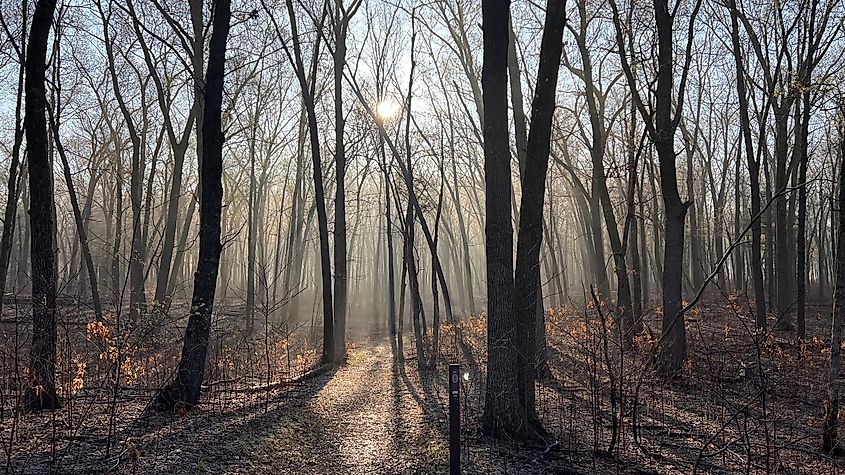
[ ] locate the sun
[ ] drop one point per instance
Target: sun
(387, 109)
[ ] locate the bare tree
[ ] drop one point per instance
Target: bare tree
(185, 389)
(502, 414)
(15, 170)
(341, 16)
(41, 391)
(831, 417)
(661, 124)
(527, 277)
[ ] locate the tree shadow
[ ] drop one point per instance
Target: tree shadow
(157, 442)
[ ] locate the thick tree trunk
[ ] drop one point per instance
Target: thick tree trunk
(502, 413)
(521, 138)
(527, 276)
(185, 389)
(41, 393)
(674, 344)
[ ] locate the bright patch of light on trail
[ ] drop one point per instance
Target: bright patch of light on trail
(466, 376)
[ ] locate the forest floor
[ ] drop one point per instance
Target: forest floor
(367, 417)
(747, 403)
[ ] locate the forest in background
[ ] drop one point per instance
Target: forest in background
(624, 211)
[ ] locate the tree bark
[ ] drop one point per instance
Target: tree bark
(600, 195)
(661, 126)
(502, 413)
(801, 237)
(41, 393)
(753, 172)
(79, 221)
(185, 389)
(307, 90)
(13, 190)
(529, 242)
(831, 418)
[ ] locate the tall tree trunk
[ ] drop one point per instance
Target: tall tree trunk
(527, 276)
(292, 271)
(410, 259)
(435, 319)
(319, 191)
(22, 280)
(179, 145)
(136, 265)
(631, 240)
(801, 237)
(413, 281)
(784, 254)
(41, 393)
(696, 261)
(251, 223)
(15, 171)
(600, 196)
(753, 172)
(520, 127)
(79, 221)
(521, 136)
(341, 19)
(739, 258)
(502, 413)
(116, 278)
(86, 219)
(185, 389)
(822, 260)
(831, 418)
(645, 276)
(661, 126)
(388, 228)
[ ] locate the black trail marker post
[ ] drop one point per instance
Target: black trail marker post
(454, 419)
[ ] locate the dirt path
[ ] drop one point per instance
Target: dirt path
(366, 417)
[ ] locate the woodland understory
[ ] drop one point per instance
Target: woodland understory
(749, 404)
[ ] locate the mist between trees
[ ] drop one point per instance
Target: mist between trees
(592, 205)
